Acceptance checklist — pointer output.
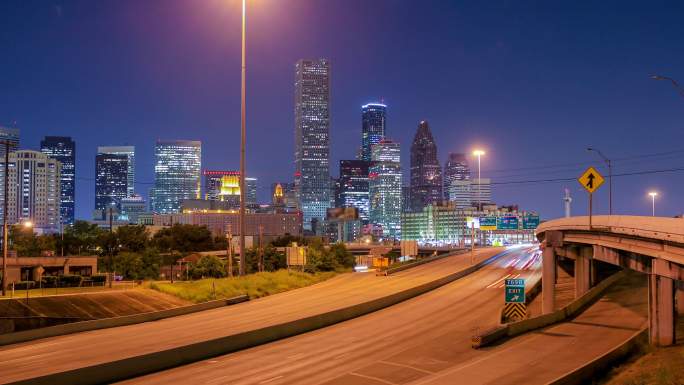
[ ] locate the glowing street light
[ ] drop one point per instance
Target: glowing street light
(478, 153)
(653, 196)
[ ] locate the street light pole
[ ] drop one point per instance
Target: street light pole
(242, 148)
(5, 240)
(610, 178)
(653, 196)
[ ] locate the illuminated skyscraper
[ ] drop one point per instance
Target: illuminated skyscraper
(373, 120)
(111, 182)
(177, 173)
(225, 186)
(354, 186)
(312, 138)
(385, 189)
(426, 173)
(33, 194)
(129, 152)
(12, 136)
(63, 149)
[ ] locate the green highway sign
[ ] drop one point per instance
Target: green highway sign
(487, 223)
(515, 290)
(530, 222)
(506, 223)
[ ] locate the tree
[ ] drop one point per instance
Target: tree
(151, 261)
(342, 256)
(319, 259)
(81, 238)
(184, 238)
(132, 237)
(25, 241)
(128, 264)
(208, 266)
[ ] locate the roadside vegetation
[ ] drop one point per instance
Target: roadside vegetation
(254, 285)
(655, 366)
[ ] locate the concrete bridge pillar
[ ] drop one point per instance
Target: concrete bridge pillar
(548, 280)
(661, 308)
(582, 270)
(679, 299)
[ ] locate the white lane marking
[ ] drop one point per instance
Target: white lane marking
(372, 378)
(270, 379)
(495, 283)
(406, 366)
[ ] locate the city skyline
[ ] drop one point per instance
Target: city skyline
(461, 115)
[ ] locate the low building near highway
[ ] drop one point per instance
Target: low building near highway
(33, 268)
(221, 222)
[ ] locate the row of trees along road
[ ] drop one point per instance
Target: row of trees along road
(138, 255)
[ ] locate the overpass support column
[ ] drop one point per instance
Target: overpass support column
(582, 270)
(679, 298)
(661, 310)
(548, 280)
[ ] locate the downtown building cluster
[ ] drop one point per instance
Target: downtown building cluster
(367, 199)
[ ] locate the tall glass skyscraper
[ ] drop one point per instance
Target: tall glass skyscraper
(12, 136)
(111, 182)
(426, 173)
(225, 186)
(385, 189)
(312, 138)
(354, 186)
(63, 149)
(373, 121)
(177, 174)
(129, 152)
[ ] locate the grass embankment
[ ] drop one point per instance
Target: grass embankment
(45, 291)
(254, 285)
(657, 366)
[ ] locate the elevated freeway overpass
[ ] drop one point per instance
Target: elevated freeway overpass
(650, 245)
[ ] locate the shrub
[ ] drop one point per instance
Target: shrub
(70, 280)
(208, 266)
(49, 280)
(24, 285)
(99, 278)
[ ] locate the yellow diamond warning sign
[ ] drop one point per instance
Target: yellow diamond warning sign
(591, 180)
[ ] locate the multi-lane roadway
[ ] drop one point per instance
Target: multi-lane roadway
(407, 342)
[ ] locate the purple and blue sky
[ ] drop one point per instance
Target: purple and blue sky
(532, 82)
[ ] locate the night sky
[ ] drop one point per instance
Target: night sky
(533, 83)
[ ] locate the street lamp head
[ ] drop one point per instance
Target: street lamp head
(28, 224)
(478, 152)
(653, 194)
(657, 77)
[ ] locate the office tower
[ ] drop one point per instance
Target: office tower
(406, 198)
(131, 208)
(312, 138)
(353, 186)
(426, 173)
(456, 168)
(481, 191)
(129, 152)
(63, 149)
(373, 121)
(33, 194)
(222, 186)
(289, 196)
(177, 174)
(385, 189)
(460, 193)
(10, 135)
(111, 182)
(251, 193)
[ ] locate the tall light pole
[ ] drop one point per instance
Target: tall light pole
(676, 85)
(610, 178)
(5, 240)
(478, 154)
(653, 196)
(242, 147)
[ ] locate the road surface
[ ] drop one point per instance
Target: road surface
(397, 345)
(57, 354)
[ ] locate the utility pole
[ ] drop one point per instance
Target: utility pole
(261, 248)
(5, 241)
(111, 251)
(243, 113)
(229, 236)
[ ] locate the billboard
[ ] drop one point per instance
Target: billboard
(488, 223)
(530, 222)
(507, 223)
(342, 213)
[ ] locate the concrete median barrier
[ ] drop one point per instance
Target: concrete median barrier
(82, 326)
(148, 363)
(419, 262)
(571, 310)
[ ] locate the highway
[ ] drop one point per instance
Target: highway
(400, 344)
(21, 362)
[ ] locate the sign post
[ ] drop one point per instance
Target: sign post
(591, 180)
(514, 296)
